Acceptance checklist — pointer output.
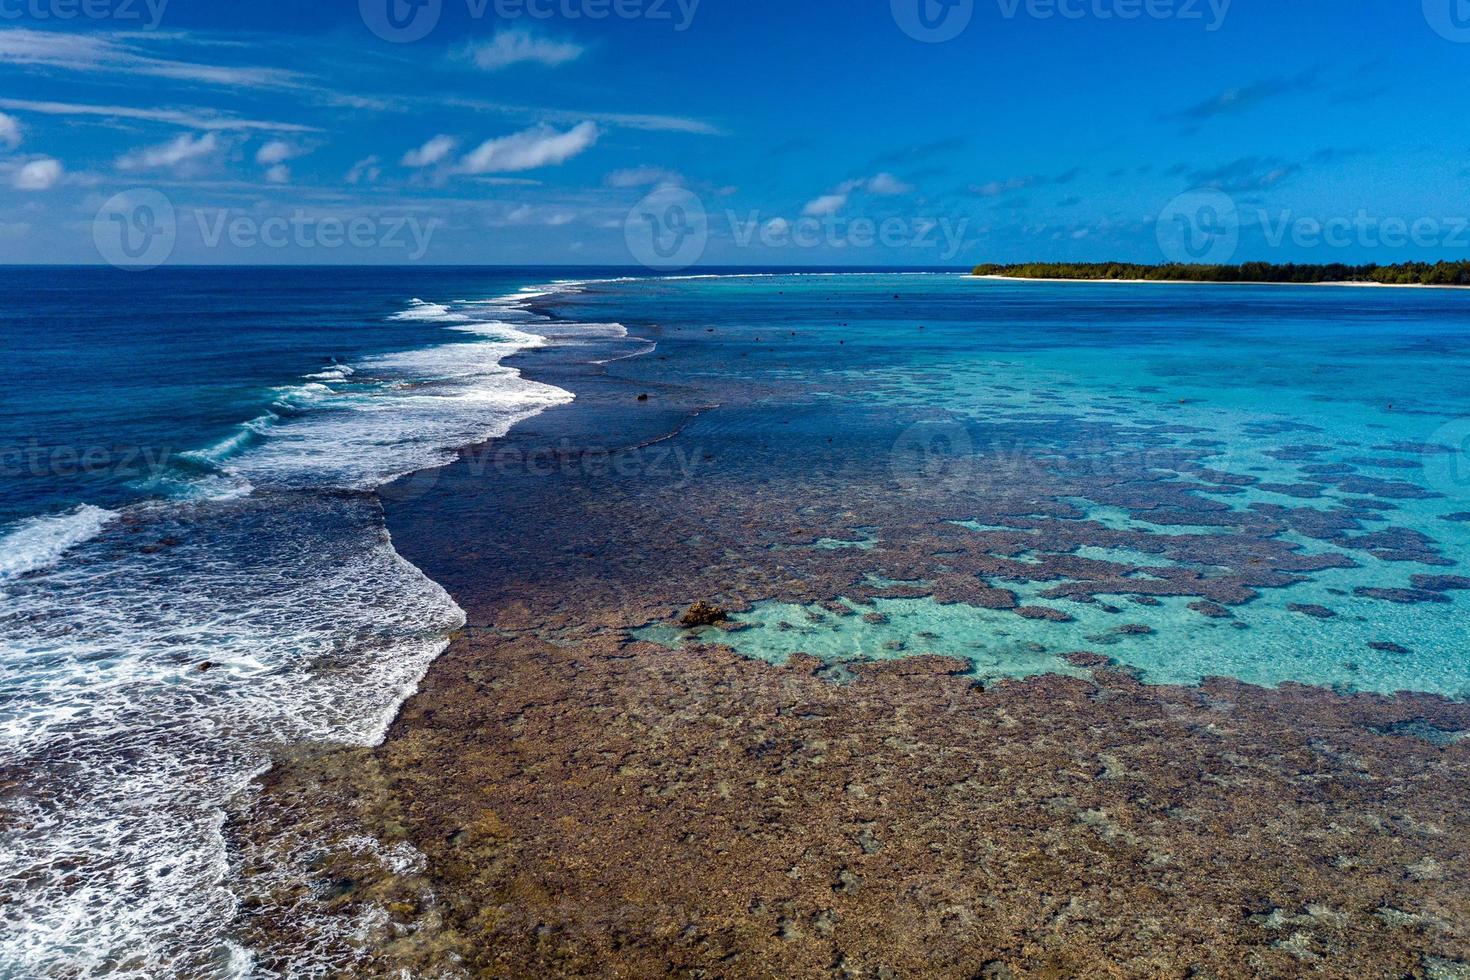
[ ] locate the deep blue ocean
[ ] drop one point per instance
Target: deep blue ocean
(194, 566)
(195, 569)
(112, 378)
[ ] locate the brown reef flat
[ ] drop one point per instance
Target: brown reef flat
(621, 810)
(561, 799)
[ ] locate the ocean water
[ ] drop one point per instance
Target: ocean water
(194, 566)
(1293, 401)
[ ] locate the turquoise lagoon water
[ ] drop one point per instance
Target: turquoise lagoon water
(1283, 386)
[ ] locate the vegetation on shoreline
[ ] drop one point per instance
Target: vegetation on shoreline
(1408, 273)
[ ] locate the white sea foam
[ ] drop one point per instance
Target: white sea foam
(402, 412)
(40, 542)
(313, 626)
(564, 332)
(126, 751)
(419, 310)
(337, 372)
(648, 347)
(230, 445)
(497, 330)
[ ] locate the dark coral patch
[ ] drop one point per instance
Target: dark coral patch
(1441, 583)
(1388, 489)
(1043, 613)
(1402, 596)
(1302, 491)
(1387, 464)
(1416, 448)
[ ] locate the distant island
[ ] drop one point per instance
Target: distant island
(1406, 274)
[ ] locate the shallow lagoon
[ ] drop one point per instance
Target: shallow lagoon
(1324, 421)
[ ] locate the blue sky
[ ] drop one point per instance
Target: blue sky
(734, 132)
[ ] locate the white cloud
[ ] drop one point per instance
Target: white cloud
(194, 119)
(431, 152)
(9, 131)
(825, 205)
(273, 156)
(541, 146)
(643, 177)
(520, 47)
(98, 52)
(365, 171)
(38, 175)
(887, 185)
(884, 184)
(134, 53)
(627, 120)
(174, 153)
(997, 187)
(525, 215)
(274, 152)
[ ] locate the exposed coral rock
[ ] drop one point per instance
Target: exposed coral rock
(579, 812)
(703, 614)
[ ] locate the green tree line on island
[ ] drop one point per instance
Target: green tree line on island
(1404, 274)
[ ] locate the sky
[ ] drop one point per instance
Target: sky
(680, 133)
